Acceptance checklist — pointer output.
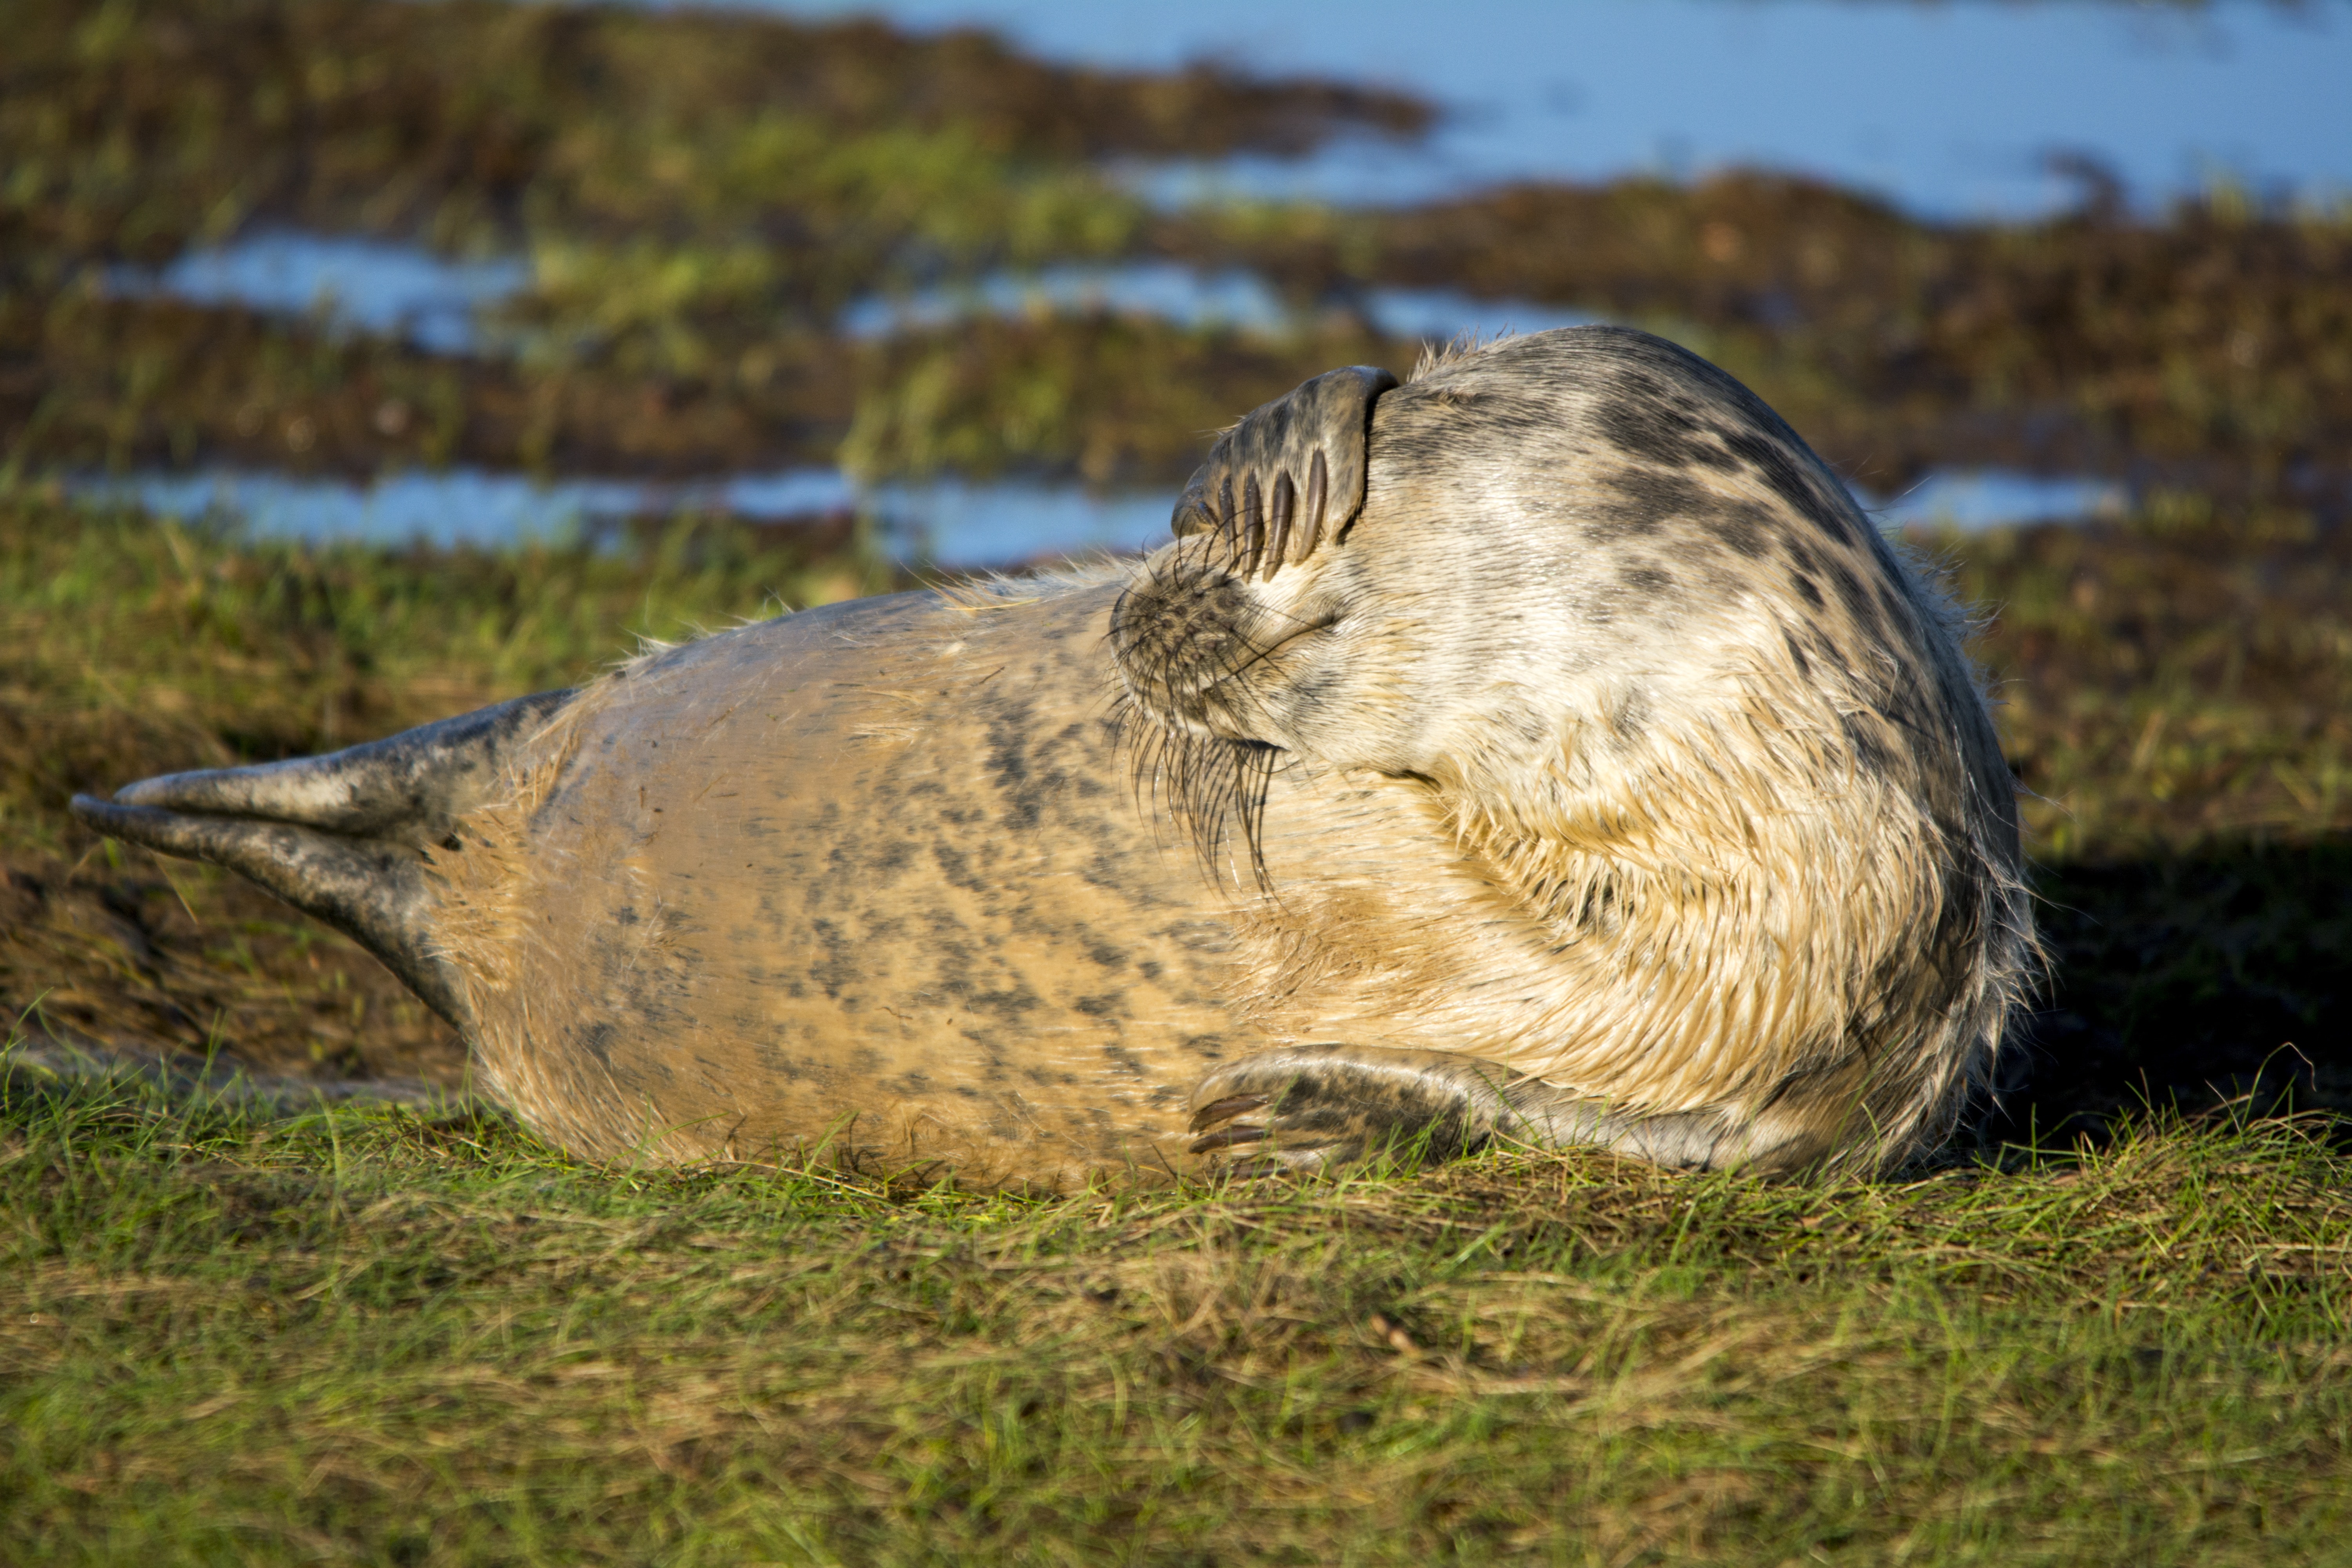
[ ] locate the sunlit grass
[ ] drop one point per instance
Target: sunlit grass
(386, 1339)
(377, 1338)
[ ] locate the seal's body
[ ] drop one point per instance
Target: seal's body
(869, 875)
(1546, 748)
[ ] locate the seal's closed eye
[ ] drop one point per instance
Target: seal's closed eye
(1289, 476)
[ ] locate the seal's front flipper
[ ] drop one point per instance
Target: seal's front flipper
(1317, 1108)
(1308, 1108)
(1289, 476)
(345, 837)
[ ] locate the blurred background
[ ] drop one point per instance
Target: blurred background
(364, 360)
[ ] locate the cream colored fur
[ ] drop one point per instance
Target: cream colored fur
(1723, 846)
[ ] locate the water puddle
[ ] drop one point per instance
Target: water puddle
(357, 284)
(1166, 290)
(1972, 501)
(1191, 298)
(955, 525)
(406, 291)
(962, 525)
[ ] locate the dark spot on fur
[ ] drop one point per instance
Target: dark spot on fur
(1856, 600)
(957, 870)
(1643, 501)
(1747, 528)
(1009, 760)
(1868, 746)
(1630, 716)
(596, 1039)
(1806, 588)
(1644, 427)
(1781, 475)
(838, 969)
(1651, 581)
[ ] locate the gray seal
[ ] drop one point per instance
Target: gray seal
(1545, 749)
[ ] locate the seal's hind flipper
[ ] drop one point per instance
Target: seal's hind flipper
(410, 787)
(371, 889)
(1290, 475)
(346, 836)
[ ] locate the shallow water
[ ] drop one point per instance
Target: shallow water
(959, 525)
(956, 525)
(1949, 108)
(407, 291)
(368, 285)
(391, 287)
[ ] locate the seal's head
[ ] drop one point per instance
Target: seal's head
(1661, 678)
(1571, 530)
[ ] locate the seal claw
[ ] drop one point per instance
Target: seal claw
(1227, 1138)
(1225, 1109)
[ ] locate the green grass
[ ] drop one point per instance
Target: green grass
(230, 1336)
(371, 1338)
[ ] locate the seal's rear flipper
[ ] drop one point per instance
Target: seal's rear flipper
(345, 837)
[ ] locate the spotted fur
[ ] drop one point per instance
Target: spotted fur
(1733, 841)
(1572, 762)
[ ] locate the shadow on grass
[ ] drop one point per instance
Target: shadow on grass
(2186, 981)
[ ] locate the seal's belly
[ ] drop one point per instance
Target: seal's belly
(873, 877)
